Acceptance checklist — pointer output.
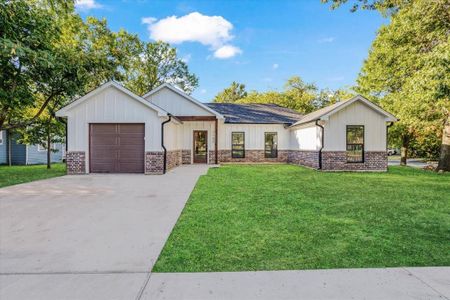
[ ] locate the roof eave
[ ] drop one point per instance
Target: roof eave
(183, 94)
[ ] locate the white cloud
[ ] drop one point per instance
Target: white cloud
(186, 58)
(87, 4)
(202, 91)
(227, 51)
(275, 66)
(212, 31)
(326, 40)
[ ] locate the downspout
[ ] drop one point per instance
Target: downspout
(387, 132)
(321, 143)
(162, 142)
(64, 121)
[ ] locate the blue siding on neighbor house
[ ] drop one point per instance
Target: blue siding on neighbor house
(18, 152)
(4, 149)
(27, 154)
(40, 157)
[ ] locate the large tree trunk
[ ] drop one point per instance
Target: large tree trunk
(49, 148)
(404, 150)
(444, 158)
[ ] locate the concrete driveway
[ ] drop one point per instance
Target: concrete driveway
(88, 237)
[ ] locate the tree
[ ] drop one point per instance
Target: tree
(231, 94)
(158, 63)
(298, 95)
(407, 70)
(46, 131)
(27, 39)
(384, 6)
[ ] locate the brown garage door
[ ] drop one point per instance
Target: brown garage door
(116, 148)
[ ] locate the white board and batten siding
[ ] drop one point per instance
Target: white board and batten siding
(306, 137)
(176, 104)
(172, 136)
(357, 113)
(111, 106)
(254, 135)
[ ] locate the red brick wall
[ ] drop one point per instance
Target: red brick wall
(154, 161)
(76, 162)
(254, 156)
(304, 158)
(337, 161)
(174, 159)
(186, 157)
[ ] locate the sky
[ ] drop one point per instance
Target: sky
(259, 43)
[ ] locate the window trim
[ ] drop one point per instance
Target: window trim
(276, 148)
(1, 137)
(362, 144)
(243, 144)
(41, 148)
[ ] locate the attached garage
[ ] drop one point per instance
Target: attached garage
(116, 148)
(112, 130)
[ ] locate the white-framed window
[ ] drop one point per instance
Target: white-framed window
(42, 148)
(1, 137)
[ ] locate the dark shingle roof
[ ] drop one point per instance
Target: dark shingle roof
(256, 113)
(315, 115)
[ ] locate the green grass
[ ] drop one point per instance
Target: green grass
(282, 217)
(20, 174)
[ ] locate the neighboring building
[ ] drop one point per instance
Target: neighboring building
(22, 154)
(114, 130)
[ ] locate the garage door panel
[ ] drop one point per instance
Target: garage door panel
(130, 156)
(125, 141)
(131, 129)
(104, 154)
(130, 167)
(117, 148)
(103, 129)
(106, 140)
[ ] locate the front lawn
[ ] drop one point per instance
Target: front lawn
(282, 217)
(20, 174)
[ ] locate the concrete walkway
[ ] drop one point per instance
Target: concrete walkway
(88, 237)
(412, 162)
(98, 236)
(391, 283)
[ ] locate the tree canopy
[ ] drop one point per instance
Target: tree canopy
(49, 55)
(233, 93)
(384, 6)
(296, 94)
(407, 72)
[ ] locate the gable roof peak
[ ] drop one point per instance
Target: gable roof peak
(111, 83)
(327, 111)
(183, 94)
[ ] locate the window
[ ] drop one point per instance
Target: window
(237, 144)
(43, 148)
(355, 143)
(270, 145)
(1, 137)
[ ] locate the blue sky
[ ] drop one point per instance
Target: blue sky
(258, 43)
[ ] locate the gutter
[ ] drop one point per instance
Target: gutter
(62, 120)
(321, 144)
(162, 142)
(387, 131)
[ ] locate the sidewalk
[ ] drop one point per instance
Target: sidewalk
(390, 283)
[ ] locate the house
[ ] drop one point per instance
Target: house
(113, 130)
(22, 154)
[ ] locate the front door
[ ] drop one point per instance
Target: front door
(200, 147)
